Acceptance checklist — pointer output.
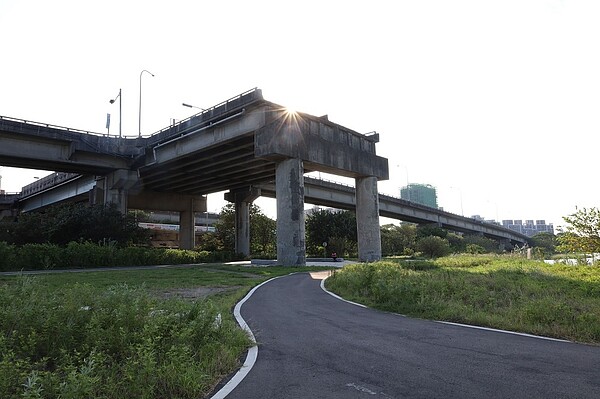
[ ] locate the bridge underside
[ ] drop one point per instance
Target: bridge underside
(227, 166)
(240, 145)
(236, 145)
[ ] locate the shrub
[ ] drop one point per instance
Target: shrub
(7, 256)
(433, 246)
(474, 249)
(38, 257)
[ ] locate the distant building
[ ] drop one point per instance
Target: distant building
(530, 227)
(423, 194)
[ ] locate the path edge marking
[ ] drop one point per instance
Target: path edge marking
(252, 352)
(451, 323)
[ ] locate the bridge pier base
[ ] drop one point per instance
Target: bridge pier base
(242, 201)
(367, 219)
(289, 187)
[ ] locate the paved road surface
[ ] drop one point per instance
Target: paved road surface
(312, 345)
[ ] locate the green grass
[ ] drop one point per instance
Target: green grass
(501, 292)
(112, 335)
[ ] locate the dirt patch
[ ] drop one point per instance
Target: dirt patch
(196, 292)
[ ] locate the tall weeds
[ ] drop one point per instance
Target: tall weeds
(113, 343)
(502, 292)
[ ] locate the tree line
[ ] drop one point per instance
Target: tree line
(327, 231)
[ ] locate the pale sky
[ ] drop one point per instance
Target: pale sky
(495, 103)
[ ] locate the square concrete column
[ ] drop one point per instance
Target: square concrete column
(242, 228)
(187, 226)
(116, 187)
(289, 192)
(242, 200)
(367, 219)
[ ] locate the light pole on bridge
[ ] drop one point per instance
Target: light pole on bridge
(140, 110)
(120, 110)
(461, 200)
(192, 106)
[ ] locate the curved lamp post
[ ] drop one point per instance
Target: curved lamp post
(140, 111)
(120, 109)
(192, 106)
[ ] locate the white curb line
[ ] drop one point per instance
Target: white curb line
(451, 323)
(252, 352)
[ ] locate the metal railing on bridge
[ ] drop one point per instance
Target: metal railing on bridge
(207, 117)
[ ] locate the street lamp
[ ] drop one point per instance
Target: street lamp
(461, 201)
(192, 106)
(140, 111)
(120, 108)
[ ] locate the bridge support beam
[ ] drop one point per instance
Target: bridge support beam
(186, 205)
(242, 200)
(289, 187)
(504, 244)
(367, 219)
(187, 226)
(116, 187)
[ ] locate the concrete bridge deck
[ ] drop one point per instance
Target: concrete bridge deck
(238, 145)
(316, 191)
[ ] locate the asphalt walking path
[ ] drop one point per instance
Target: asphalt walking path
(312, 345)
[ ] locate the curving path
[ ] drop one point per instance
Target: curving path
(312, 345)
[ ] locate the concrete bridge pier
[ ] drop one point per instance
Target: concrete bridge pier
(367, 219)
(186, 205)
(289, 186)
(505, 244)
(187, 225)
(116, 188)
(242, 200)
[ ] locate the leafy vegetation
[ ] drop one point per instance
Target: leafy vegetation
(433, 246)
(76, 335)
(89, 255)
(336, 228)
(62, 224)
(262, 233)
(398, 239)
(582, 232)
(501, 292)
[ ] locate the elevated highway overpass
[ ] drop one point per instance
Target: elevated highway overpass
(243, 141)
(238, 145)
(61, 187)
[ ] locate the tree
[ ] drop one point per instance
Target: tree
(426, 230)
(225, 228)
(457, 242)
(262, 230)
(335, 227)
(263, 233)
(398, 240)
(62, 224)
(582, 233)
(433, 246)
(489, 245)
(546, 242)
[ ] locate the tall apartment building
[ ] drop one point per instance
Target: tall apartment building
(424, 194)
(530, 227)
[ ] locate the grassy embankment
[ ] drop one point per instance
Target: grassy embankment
(501, 292)
(122, 334)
